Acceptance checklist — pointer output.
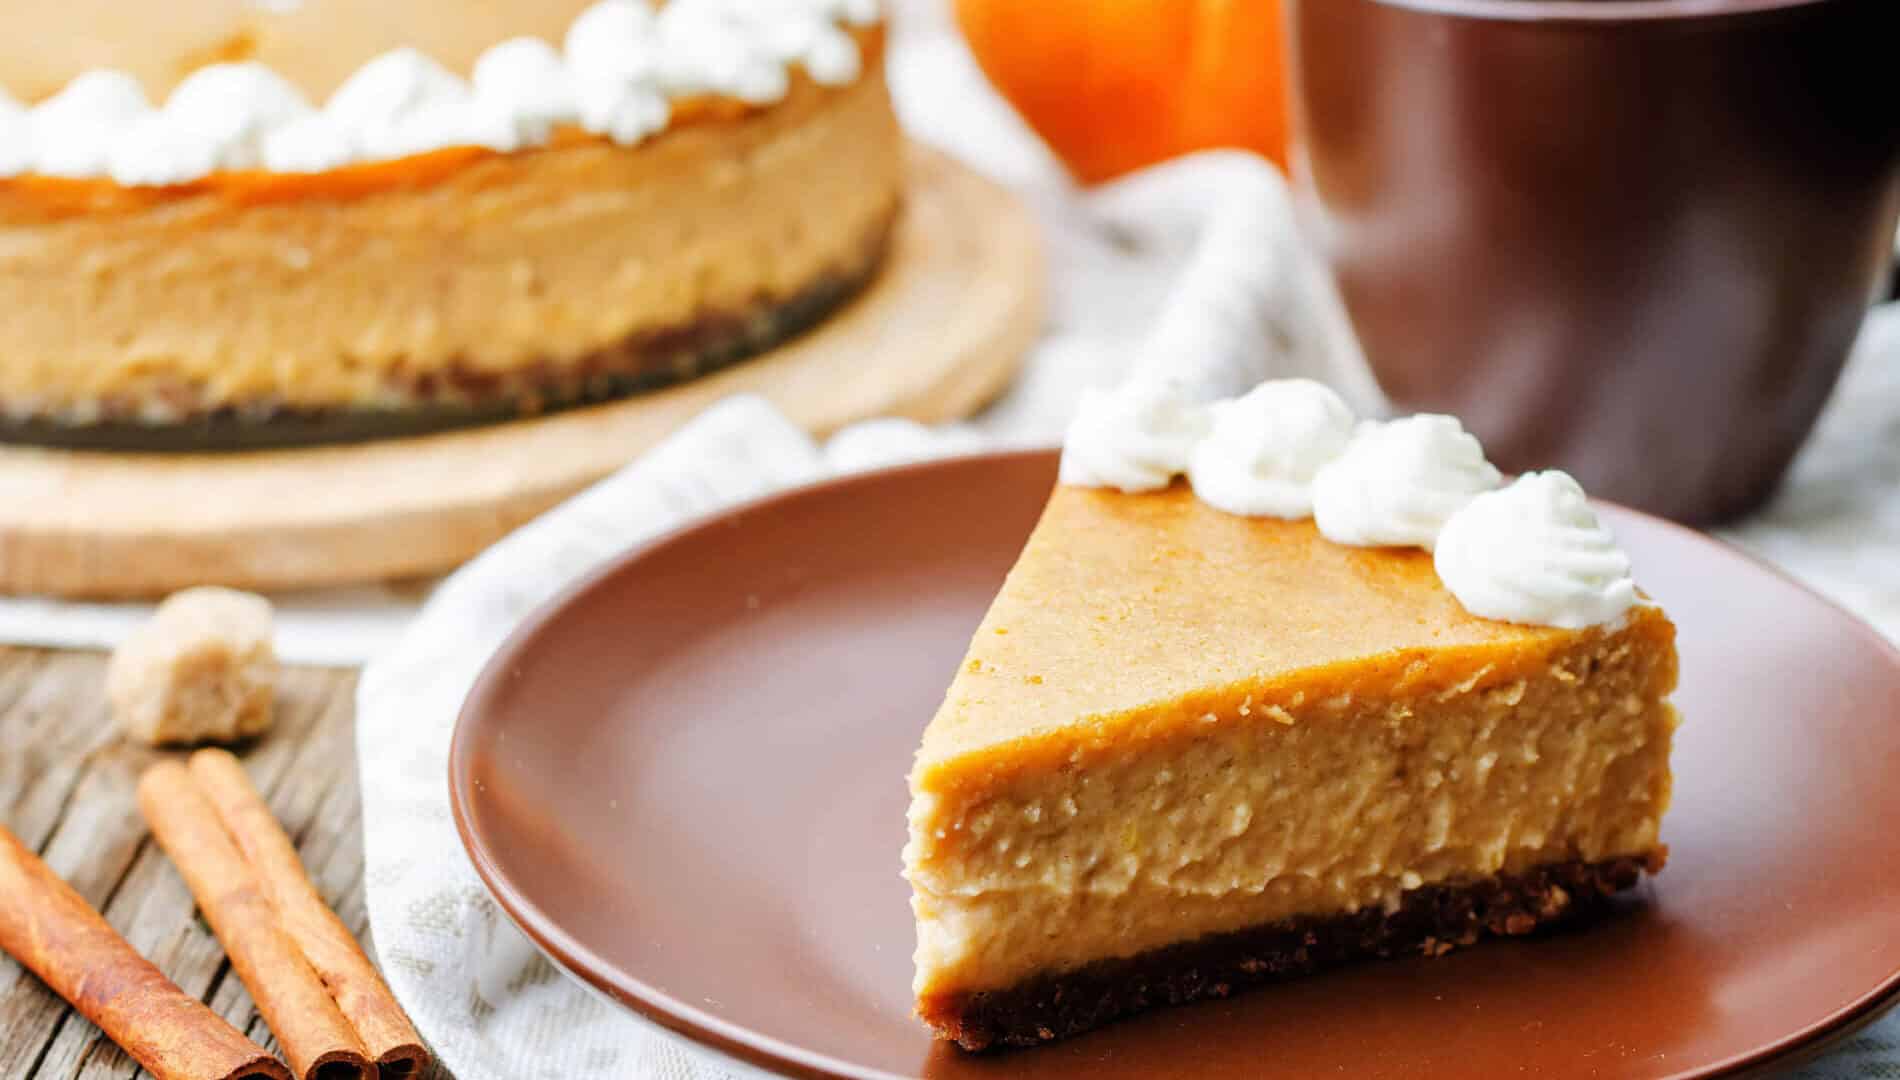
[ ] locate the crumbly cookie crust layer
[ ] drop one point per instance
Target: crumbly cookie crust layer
(1432, 920)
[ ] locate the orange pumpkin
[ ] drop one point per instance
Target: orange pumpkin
(1113, 85)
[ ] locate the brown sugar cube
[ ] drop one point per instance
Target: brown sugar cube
(201, 670)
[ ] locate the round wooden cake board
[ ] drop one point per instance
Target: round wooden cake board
(939, 334)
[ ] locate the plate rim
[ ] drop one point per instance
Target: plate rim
(750, 1047)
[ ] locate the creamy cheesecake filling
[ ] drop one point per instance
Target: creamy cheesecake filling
(539, 258)
(1278, 806)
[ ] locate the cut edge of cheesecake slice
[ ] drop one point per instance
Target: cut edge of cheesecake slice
(1189, 751)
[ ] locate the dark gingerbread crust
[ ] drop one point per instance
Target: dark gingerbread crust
(1432, 920)
(461, 397)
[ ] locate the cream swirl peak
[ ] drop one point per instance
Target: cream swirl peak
(1535, 552)
(1399, 481)
(1136, 437)
(623, 62)
(402, 103)
(73, 133)
(1264, 448)
(216, 119)
(524, 89)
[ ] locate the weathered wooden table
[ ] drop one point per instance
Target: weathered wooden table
(67, 789)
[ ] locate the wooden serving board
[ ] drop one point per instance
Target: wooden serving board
(939, 334)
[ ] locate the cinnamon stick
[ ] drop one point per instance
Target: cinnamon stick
(51, 930)
(331, 949)
(318, 1041)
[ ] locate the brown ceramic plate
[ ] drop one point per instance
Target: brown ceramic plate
(685, 781)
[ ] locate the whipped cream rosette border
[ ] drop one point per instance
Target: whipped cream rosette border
(621, 65)
(1532, 551)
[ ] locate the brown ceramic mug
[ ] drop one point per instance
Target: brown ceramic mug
(1631, 238)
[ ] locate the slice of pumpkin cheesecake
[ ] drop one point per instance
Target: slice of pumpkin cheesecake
(1191, 750)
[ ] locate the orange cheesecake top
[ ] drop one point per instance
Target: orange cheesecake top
(1127, 614)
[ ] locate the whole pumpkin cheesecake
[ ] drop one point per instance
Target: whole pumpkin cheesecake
(1333, 693)
(246, 223)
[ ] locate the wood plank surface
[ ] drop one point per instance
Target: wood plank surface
(67, 789)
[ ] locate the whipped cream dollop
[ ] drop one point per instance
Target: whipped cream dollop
(1136, 437)
(621, 63)
(230, 107)
(402, 103)
(616, 40)
(311, 143)
(16, 137)
(613, 61)
(815, 42)
(1398, 482)
(716, 49)
(1535, 552)
(521, 91)
(216, 119)
(73, 133)
(1264, 448)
